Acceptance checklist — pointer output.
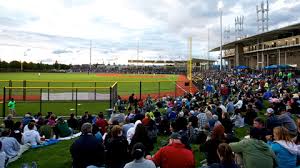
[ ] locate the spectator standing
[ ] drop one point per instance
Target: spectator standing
(12, 107)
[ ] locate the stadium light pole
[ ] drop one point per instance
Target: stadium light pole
(25, 52)
(220, 8)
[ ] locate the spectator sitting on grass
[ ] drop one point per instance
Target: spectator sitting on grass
(2, 157)
(17, 131)
(39, 120)
(32, 136)
(86, 118)
(73, 122)
(116, 115)
(255, 153)
(128, 124)
(284, 148)
(26, 119)
(226, 157)
(8, 122)
(138, 153)
(141, 135)
(48, 115)
(262, 131)
(11, 146)
(116, 146)
(26, 126)
(62, 128)
(87, 150)
(174, 155)
(96, 132)
(210, 146)
(101, 123)
(51, 120)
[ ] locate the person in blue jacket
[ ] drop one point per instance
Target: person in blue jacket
(284, 148)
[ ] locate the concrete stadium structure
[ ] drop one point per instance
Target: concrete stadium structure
(280, 46)
(201, 64)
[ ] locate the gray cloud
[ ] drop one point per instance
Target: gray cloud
(178, 21)
(60, 51)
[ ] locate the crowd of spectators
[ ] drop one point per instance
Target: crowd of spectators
(263, 105)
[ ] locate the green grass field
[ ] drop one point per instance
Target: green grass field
(127, 84)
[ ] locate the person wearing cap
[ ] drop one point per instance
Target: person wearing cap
(174, 155)
(272, 120)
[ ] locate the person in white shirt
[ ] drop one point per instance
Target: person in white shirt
(26, 127)
(239, 104)
(2, 156)
(32, 136)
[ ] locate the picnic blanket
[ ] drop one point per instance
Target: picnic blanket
(70, 137)
(46, 143)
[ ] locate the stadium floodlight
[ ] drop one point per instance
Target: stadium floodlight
(220, 8)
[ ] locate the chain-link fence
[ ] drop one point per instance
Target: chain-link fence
(61, 100)
(50, 95)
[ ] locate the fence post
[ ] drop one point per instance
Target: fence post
(76, 106)
(110, 97)
(140, 90)
(24, 90)
(4, 104)
(72, 91)
(159, 89)
(48, 91)
(9, 85)
(41, 91)
(95, 90)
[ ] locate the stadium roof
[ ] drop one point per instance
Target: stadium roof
(169, 61)
(266, 36)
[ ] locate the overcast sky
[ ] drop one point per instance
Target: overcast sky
(49, 30)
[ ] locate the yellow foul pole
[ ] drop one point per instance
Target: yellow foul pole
(190, 64)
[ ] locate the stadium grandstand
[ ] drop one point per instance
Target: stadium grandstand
(279, 46)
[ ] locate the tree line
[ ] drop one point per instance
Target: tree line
(15, 66)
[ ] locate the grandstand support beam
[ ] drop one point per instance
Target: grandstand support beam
(4, 104)
(285, 57)
(190, 65)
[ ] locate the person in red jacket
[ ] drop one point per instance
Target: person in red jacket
(175, 155)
